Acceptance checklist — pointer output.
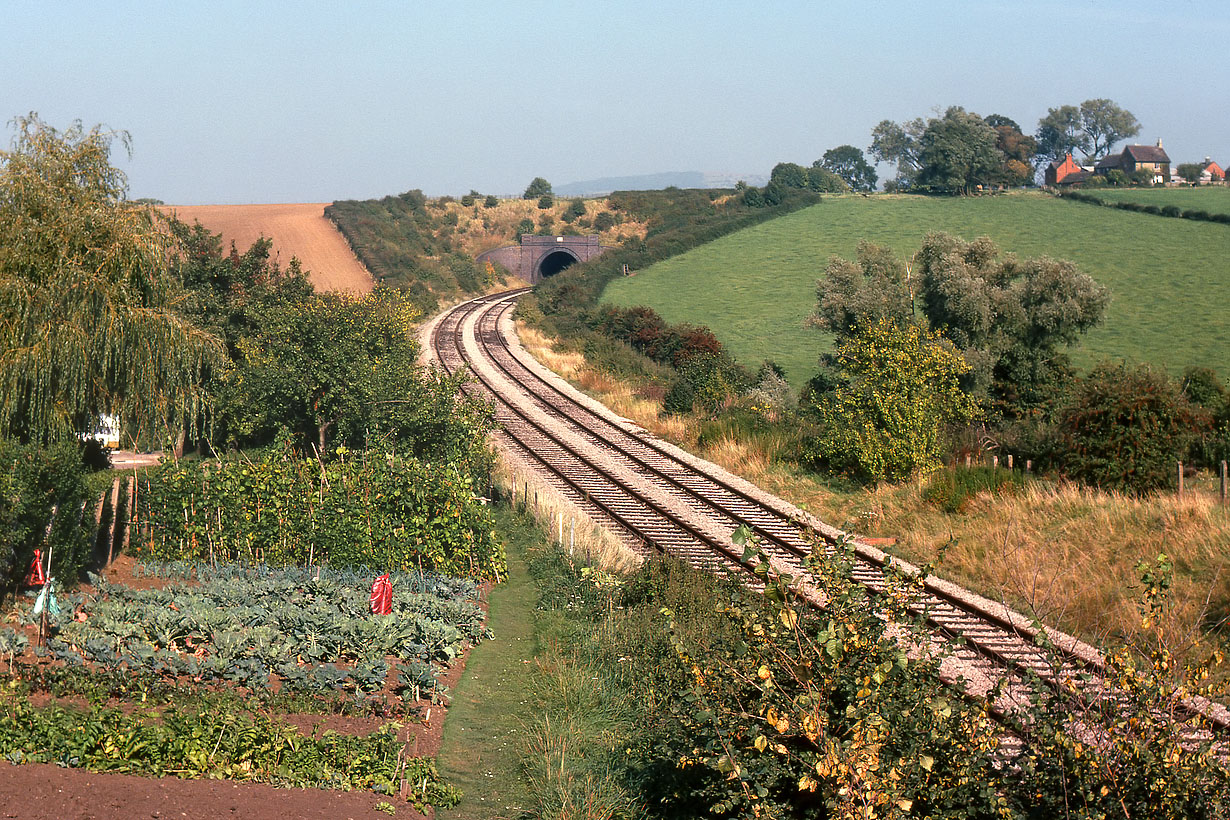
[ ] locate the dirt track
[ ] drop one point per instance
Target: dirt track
(298, 230)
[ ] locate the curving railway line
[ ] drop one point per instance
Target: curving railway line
(656, 497)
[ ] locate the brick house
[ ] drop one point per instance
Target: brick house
(1064, 173)
(1210, 171)
(1133, 158)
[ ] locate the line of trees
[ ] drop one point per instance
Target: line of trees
(958, 151)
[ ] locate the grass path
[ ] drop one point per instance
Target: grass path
(482, 745)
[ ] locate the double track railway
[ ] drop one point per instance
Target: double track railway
(656, 497)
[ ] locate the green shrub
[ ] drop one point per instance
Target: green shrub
(576, 210)
(604, 221)
(952, 490)
(899, 389)
(1124, 428)
(42, 487)
(491, 201)
(545, 201)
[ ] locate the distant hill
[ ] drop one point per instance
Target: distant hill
(656, 182)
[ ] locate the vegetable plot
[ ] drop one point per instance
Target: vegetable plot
(262, 628)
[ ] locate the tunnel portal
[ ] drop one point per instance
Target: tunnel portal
(538, 257)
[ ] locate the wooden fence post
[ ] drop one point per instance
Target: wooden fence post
(1180, 480)
(115, 520)
(1223, 484)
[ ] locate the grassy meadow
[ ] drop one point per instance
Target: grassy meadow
(1168, 277)
(1212, 198)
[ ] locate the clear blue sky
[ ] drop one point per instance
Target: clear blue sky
(231, 102)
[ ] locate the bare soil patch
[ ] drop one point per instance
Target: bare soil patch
(297, 230)
(42, 791)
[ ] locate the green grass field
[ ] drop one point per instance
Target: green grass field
(1212, 198)
(1169, 278)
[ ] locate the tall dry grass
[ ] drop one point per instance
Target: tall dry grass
(1065, 553)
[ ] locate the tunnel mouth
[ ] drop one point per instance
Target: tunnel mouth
(555, 262)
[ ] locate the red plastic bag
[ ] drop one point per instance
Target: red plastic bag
(36, 577)
(382, 595)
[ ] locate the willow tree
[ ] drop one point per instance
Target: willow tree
(89, 309)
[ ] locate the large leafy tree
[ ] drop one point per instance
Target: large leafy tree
(1016, 149)
(957, 153)
(1093, 127)
(336, 369)
(90, 319)
(857, 294)
(1060, 133)
(537, 189)
(1105, 123)
(314, 367)
(900, 145)
(849, 163)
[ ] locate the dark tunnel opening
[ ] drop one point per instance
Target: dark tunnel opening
(555, 262)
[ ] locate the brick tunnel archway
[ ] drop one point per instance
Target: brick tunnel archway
(540, 256)
(555, 262)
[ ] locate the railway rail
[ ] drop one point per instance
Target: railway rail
(657, 497)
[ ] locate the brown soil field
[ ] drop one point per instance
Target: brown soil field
(297, 230)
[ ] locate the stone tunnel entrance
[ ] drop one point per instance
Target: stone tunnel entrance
(555, 262)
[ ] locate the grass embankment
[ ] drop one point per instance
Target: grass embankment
(1067, 553)
(756, 287)
(1212, 198)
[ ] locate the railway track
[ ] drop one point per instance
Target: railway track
(657, 497)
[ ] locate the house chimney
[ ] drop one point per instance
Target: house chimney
(1159, 143)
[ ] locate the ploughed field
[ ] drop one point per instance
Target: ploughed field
(755, 288)
(297, 230)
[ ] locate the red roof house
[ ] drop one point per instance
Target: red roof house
(1064, 173)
